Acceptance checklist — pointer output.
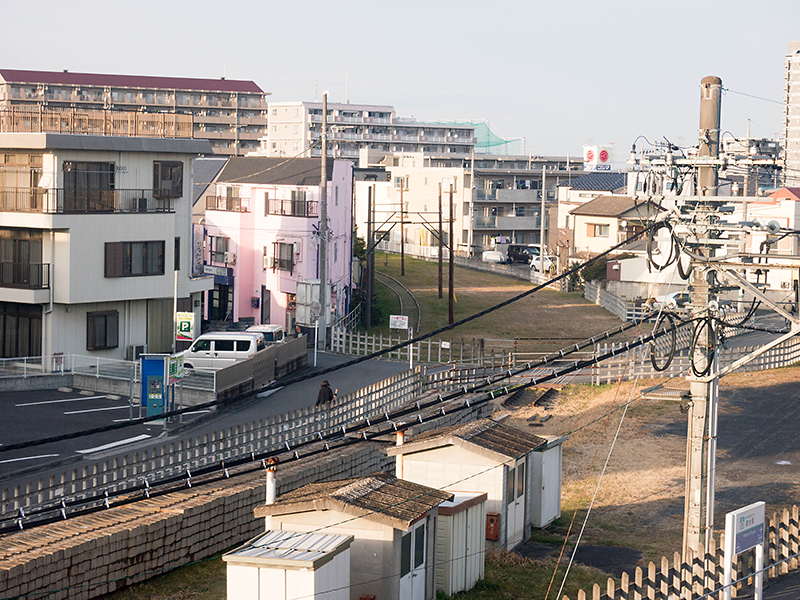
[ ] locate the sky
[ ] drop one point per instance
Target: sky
(558, 74)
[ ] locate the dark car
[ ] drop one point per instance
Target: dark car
(523, 254)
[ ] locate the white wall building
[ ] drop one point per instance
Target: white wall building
(92, 231)
(791, 115)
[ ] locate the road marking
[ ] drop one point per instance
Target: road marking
(88, 410)
(10, 460)
(62, 400)
(138, 438)
(194, 412)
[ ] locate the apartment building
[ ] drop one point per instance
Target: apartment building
(791, 115)
(496, 199)
(95, 239)
(231, 114)
(294, 130)
(262, 223)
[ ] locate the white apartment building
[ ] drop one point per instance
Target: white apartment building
(294, 130)
(791, 115)
(95, 240)
(231, 114)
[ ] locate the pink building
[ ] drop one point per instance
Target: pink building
(262, 222)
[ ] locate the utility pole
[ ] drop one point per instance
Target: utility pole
(541, 219)
(402, 230)
(370, 260)
(440, 239)
(698, 520)
(323, 227)
(451, 292)
(746, 175)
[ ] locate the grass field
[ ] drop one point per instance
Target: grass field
(546, 314)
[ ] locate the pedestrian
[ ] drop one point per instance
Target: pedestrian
(326, 395)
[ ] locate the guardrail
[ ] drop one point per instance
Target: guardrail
(173, 457)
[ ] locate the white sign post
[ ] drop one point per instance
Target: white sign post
(401, 322)
(744, 529)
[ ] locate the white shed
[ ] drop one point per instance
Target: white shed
(282, 565)
(393, 523)
(520, 472)
(460, 542)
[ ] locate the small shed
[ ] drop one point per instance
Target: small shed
(520, 473)
(460, 542)
(392, 522)
(282, 565)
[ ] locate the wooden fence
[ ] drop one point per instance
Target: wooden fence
(702, 573)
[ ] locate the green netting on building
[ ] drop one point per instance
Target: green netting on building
(489, 142)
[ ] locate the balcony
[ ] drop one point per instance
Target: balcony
(82, 201)
(228, 204)
(506, 223)
(292, 208)
(29, 276)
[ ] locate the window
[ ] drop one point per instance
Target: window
(274, 112)
(243, 345)
(596, 230)
(336, 196)
(266, 203)
(134, 259)
(223, 345)
(335, 252)
(102, 330)
(167, 179)
(520, 480)
(419, 546)
(274, 129)
(405, 555)
(202, 346)
(295, 128)
(284, 257)
(177, 255)
(509, 485)
(219, 246)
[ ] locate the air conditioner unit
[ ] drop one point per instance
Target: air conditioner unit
(134, 352)
(266, 262)
(297, 247)
(230, 258)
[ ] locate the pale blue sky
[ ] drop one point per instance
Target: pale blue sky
(560, 74)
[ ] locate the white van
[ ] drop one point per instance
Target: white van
(221, 349)
(273, 334)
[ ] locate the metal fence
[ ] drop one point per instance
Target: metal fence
(179, 457)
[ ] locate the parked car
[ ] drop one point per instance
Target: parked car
(273, 334)
(536, 264)
(671, 301)
(222, 349)
(493, 256)
(519, 253)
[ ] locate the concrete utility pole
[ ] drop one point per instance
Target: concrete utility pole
(441, 232)
(323, 228)
(402, 230)
(451, 291)
(698, 520)
(541, 220)
(370, 259)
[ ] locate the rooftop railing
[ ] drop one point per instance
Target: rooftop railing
(24, 119)
(77, 201)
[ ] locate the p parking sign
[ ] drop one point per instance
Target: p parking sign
(185, 326)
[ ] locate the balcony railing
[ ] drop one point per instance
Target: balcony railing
(228, 204)
(31, 276)
(90, 200)
(24, 119)
(292, 208)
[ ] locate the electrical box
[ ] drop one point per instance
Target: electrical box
(492, 526)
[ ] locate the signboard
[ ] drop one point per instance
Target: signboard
(398, 322)
(197, 250)
(445, 345)
(212, 270)
(153, 388)
(744, 529)
(596, 158)
(175, 370)
(185, 326)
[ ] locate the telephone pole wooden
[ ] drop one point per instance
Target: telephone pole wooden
(323, 227)
(440, 239)
(402, 231)
(451, 292)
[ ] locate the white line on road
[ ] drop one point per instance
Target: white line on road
(193, 412)
(64, 400)
(88, 410)
(10, 460)
(138, 438)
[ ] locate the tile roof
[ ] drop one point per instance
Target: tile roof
(275, 171)
(609, 206)
(379, 497)
(487, 434)
(599, 181)
(129, 81)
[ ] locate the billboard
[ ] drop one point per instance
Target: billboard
(596, 158)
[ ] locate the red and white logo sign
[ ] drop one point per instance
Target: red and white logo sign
(589, 155)
(603, 156)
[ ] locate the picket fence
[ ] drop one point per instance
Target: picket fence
(701, 573)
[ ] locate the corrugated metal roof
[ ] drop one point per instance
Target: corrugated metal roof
(203, 172)
(275, 171)
(129, 81)
(292, 546)
(610, 206)
(375, 496)
(484, 433)
(599, 181)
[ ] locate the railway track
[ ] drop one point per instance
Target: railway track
(408, 302)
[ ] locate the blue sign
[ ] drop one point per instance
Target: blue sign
(154, 390)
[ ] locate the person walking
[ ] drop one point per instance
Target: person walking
(326, 395)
